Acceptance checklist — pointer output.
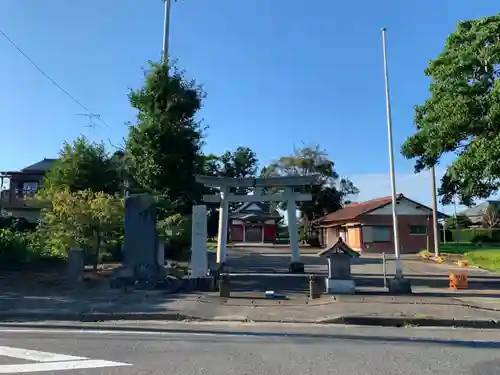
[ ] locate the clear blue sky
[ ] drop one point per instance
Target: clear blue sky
(277, 73)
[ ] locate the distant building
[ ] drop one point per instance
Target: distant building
(23, 184)
(476, 214)
(368, 226)
(253, 222)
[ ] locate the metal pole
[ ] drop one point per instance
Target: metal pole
(384, 269)
(457, 231)
(444, 231)
(434, 213)
(399, 270)
(166, 31)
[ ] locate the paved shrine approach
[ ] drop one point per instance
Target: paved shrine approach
(287, 194)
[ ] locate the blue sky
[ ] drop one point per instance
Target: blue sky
(277, 74)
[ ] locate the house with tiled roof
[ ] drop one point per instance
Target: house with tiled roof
(476, 213)
(368, 226)
(22, 185)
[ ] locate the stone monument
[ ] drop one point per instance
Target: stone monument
(199, 261)
(140, 243)
(339, 279)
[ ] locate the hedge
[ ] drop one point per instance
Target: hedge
(472, 234)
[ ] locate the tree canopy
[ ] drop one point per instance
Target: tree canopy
(83, 165)
(462, 114)
(163, 148)
(90, 220)
(330, 191)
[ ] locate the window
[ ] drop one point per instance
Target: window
(381, 234)
(29, 188)
(418, 230)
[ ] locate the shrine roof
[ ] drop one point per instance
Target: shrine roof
(340, 247)
(254, 210)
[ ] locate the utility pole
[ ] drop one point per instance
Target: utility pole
(399, 270)
(434, 213)
(166, 30)
(398, 285)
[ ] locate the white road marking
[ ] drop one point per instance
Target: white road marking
(45, 361)
(35, 355)
(56, 366)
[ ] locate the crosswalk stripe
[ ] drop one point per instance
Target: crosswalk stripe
(36, 355)
(57, 366)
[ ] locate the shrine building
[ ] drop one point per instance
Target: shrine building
(253, 222)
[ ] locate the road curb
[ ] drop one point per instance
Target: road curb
(412, 322)
(13, 318)
(90, 317)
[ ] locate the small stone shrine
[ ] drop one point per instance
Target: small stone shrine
(339, 258)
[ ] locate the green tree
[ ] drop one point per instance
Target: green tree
(330, 191)
(462, 113)
(90, 220)
(163, 147)
(83, 165)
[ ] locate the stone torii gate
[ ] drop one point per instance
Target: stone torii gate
(288, 195)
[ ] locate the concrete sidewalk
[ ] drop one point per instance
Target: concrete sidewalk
(156, 305)
(432, 299)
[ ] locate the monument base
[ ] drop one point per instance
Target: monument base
(296, 267)
(399, 285)
(338, 286)
(205, 284)
(142, 277)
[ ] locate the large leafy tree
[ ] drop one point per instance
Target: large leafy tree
(163, 147)
(90, 220)
(462, 114)
(328, 193)
(83, 165)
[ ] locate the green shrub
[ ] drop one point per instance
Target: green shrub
(476, 235)
(13, 246)
(481, 238)
(19, 224)
(313, 240)
(175, 232)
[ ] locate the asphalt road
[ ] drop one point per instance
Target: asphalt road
(337, 350)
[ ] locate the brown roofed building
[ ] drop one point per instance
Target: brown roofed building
(368, 226)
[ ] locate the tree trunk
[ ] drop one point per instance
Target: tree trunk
(97, 233)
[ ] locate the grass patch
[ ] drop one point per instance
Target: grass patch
(465, 247)
(487, 259)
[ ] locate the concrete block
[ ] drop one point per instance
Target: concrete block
(76, 265)
(296, 267)
(337, 286)
(399, 285)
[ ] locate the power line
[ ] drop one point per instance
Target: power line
(49, 77)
